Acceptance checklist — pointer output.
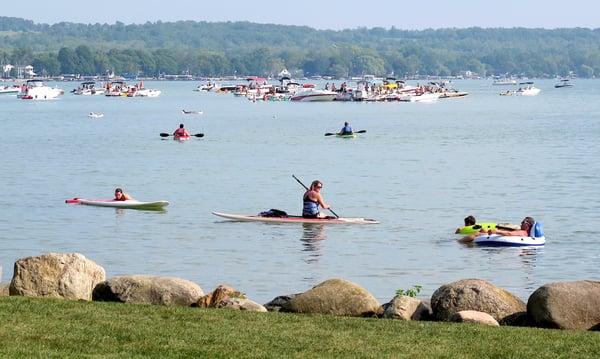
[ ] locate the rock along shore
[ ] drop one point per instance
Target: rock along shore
(571, 305)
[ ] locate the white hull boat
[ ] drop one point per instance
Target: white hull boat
(426, 97)
(38, 90)
(313, 95)
(9, 90)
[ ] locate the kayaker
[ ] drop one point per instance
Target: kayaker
(346, 130)
(526, 225)
(120, 196)
(181, 132)
(312, 199)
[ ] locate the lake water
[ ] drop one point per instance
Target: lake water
(420, 169)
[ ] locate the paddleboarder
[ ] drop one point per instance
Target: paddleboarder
(120, 196)
(312, 199)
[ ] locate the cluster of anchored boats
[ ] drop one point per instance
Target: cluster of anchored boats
(38, 90)
(258, 89)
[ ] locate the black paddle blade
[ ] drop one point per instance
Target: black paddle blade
(361, 131)
(329, 134)
(162, 134)
(199, 135)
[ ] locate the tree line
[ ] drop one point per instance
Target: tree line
(227, 48)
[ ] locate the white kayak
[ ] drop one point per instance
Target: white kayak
(295, 219)
(129, 204)
(496, 240)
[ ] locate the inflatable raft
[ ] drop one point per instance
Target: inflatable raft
(536, 238)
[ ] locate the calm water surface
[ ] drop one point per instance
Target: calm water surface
(420, 169)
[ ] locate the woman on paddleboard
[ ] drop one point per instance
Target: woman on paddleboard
(120, 196)
(312, 199)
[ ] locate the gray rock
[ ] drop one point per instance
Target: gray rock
(337, 297)
(145, 289)
(240, 304)
(566, 305)
(472, 316)
(280, 303)
(474, 294)
(56, 275)
(406, 308)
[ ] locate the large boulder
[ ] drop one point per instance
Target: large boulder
(566, 305)
(406, 308)
(474, 294)
(337, 297)
(4, 289)
(472, 316)
(56, 275)
(146, 289)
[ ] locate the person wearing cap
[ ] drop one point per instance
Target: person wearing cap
(346, 130)
(181, 132)
(120, 196)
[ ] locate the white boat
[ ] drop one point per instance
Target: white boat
(88, 88)
(424, 97)
(95, 115)
(9, 90)
(504, 82)
(314, 95)
(528, 89)
(145, 93)
(38, 90)
(563, 83)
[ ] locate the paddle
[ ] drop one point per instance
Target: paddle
(162, 134)
(330, 210)
(331, 134)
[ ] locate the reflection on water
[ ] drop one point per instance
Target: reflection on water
(312, 235)
(527, 257)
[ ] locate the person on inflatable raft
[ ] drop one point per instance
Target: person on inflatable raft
(526, 226)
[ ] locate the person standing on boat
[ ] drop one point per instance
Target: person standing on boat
(312, 199)
(346, 130)
(181, 132)
(120, 196)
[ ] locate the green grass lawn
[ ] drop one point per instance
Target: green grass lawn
(55, 328)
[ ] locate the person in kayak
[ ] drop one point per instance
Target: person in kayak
(120, 196)
(526, 225)
(346, 130)
(312, 199)
(181, 132)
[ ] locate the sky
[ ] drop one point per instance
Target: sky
(321, 14)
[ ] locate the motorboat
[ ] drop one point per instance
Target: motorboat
(453, 94)
(135, 92)
(563, 83)
(95, 115)
(10, 90)
(504, 82)
(314, 95)
(88, 88)
(38, 90)
(117, 89)
(528, 89)
(422, 97)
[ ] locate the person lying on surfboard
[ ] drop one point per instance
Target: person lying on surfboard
(181, 132)
(120, 196)
(526, 225)
(312, 199)
(346, 130)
